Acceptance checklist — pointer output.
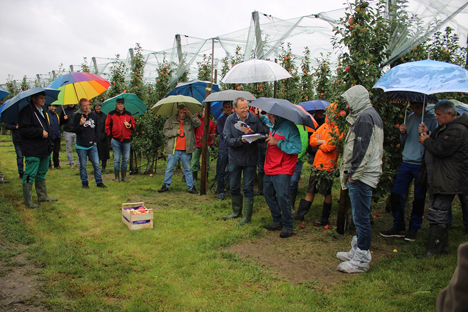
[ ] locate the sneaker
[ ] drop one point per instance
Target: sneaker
(101, 185)
(410, 236)
(393, 233)
(72, 166)
(164, 188)
(285, 233)
(193, 190)
(85, 186)
(221, 196)
(274, 227)
(58, 167)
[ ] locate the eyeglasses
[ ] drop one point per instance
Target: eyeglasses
(243, 108)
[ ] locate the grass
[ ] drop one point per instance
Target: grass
(91, 262)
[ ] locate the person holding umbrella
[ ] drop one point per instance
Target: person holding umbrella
(119, 126)
(36, 147)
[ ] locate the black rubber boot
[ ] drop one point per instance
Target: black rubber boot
(302, 210)
(124, 175)
(27, 188)
(326, 210)
(236, 208)
(41, 190)
(117, 175)
(438, 237)
(292, 198)
(248, 208)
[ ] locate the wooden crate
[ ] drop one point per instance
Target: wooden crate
(134, 220)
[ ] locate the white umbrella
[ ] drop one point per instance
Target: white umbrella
(256, 71)
(229, 95)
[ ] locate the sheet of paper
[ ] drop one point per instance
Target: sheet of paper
(253, 137)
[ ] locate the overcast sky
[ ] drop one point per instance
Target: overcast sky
(39, 35)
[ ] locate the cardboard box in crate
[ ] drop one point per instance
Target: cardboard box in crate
(136, 216)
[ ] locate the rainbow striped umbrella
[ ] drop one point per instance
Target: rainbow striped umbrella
(76, 86)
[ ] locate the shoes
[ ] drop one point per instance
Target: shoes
(221, 196)
(85, 186)
(285, 233)
(164, 188)
(347, 256)
(72, 167)
(393, 233)
(358, 264)
(58, 167)
(193, 190)
(410, 236)
(101, 185)
(274, 227)
(51, 168)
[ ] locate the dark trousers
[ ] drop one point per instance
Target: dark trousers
(55, 153)
(19, 157)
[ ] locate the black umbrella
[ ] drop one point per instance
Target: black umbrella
(408, 96)
(284, 109)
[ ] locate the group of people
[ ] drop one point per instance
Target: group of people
(434, 156)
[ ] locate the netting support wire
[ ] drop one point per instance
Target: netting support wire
(259, 46)
(179, 48)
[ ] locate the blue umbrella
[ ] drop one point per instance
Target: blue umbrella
(312, 106)
(133, 104)
(216, 109)
(194, 88)
(3, 92)
(427, 77)
(284, 109)
(11, 111)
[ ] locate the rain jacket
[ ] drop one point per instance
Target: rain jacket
(327, 153)
(282, 158)
(31, 125)
(448, 146)
(170, 131)
(54, 124)
(87, 134)
(199, 133)
(240, 153)
(115, 128)
(363, 147)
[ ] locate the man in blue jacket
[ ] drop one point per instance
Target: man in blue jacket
(242, 158)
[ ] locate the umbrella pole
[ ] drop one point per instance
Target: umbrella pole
(424, 107)
(406, 113)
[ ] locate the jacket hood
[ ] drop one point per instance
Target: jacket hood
(463, 119)
(278, 121)
(358, 100)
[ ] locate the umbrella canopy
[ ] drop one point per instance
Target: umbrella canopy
(76, 86)
(14, 105)
(216, 109)
(460, 106)
(256, 71)
(3, 92)
(194, 88)
(427, 77)
(229, 95)
(285, 109)
(314, 105)
(408, 96)
(133, 104)
(168, 106)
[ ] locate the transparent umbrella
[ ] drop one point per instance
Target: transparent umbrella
(256, 71)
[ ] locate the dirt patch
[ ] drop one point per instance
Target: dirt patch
(19, 285)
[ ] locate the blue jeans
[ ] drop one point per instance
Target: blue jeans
(119, 149)
(93, 156)
(19, 158)
(360, 195)
(221, 165)
(235, 173)
(275, 190)
(406, 173)
(294, 184)
(464, 206)
(172, 160)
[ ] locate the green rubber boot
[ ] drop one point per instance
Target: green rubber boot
(248, 208)
(27, 188)
(41, 190)
(117, 175)
(236, 208)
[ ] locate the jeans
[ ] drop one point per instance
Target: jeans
(70, 140)
(36, 169)
(275, 190)
(120, 149)
(221, 165)
(360, 195)
(172, 160)
(235, 173)
(93, 156)
(406, 173)
(464, 207)
(19, 158)
(294, 183)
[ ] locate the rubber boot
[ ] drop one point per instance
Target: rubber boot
(292, 198)
(236, 208)
(41, 190)
(302, 210)
(195, 175)
(326, 210)
(438, 236)
(117, 175)
(248, 208)
(124, 176)
(27, 188)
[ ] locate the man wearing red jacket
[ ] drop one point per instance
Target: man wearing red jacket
(119, 126)
(198, 138)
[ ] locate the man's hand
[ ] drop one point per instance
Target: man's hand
(178, 131)
(127, 124)
(351, 181)
(423, 138)
(45, 134)
(272, 140)
(65, 117)
(423, 129)
(244, 141)
(187, 111)
(403, 128)
(247, 130)
(320, 142)
(82, 120)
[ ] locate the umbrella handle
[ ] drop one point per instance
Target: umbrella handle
(406, 113)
